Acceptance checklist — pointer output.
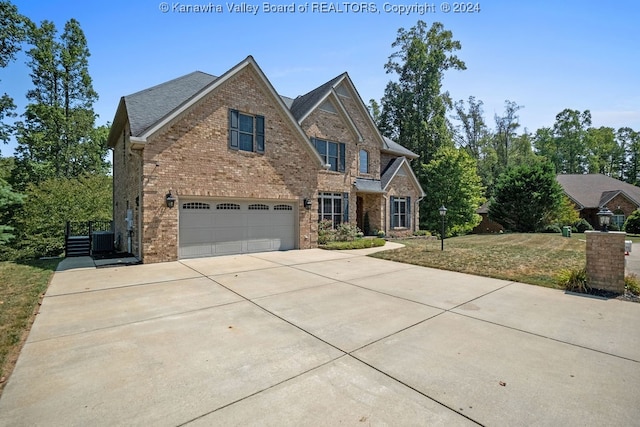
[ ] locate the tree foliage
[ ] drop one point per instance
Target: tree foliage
(632, 224)
(454, 183)
(50, 204)
(12, 35)
(57, 137)
(9, 201)
(526, 196)
(414, 107)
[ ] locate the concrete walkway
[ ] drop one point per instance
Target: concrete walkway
(317, 337)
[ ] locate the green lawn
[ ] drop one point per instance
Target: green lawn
(527, 258)
(21, 286)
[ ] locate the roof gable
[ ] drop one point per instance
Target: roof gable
(171, 105)
(393, 169)
(596, 190)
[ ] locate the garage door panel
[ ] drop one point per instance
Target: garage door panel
(211, 231)
(195, 251)
(228, 248)
(197, 235)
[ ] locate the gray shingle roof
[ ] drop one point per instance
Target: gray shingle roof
(149, 106)
(596, 190)
(304, 103)
(393, 147)
(369, 185)
(390, 171)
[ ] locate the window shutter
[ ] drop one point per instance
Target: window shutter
(392, 211)
(345, 207)
(260, 134)
(409, 212)
(234, 138)
(341, 160)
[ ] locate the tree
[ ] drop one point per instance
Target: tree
(56, 137)
(632, 224)
(456, 185)
(472, 132)
(12, 34)
(604, 155)
(546, 145)
(629, 142)
(570, 129)
(506, 126)
(526, 196)
(413, 107)
(48, 205)
(9, 201)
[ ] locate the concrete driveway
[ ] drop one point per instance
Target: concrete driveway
(320, 338)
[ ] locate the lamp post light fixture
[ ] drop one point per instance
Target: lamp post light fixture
(170, 200)
(604, 216)
(443, 212)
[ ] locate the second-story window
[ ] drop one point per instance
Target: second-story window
(364, 161)
(332, 153)
(246, 132)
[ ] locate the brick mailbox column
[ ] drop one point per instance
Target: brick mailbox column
(605, 260)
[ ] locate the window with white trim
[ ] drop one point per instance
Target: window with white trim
(401, 212)
(333, 207)
(246, 132)
(332, 153)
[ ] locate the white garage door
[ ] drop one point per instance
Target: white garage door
(209, 228)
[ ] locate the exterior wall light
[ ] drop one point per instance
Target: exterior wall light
(307, 204)
(171, 201)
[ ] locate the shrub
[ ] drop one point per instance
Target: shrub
(632, 284)
(380, 234)
(574, 280)
(356, 244)
(422, 233)
(325, 232)
(583, 225)
(632, 224)
(346, 232)
(552, 228)
(366, 224)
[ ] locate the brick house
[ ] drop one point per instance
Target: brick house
(251, 170)
(592, 191)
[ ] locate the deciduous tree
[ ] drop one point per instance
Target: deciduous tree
(456, 185)
(56, 137)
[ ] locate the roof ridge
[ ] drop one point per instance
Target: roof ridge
(166, 83)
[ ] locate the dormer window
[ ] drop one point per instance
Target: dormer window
(364, 161)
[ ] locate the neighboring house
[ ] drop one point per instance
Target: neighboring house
(591, 192)
(250, 170)
(487, 225)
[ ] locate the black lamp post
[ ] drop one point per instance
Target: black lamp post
(604, 216)
(443, 212)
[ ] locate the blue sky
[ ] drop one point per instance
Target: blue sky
(543, 55)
